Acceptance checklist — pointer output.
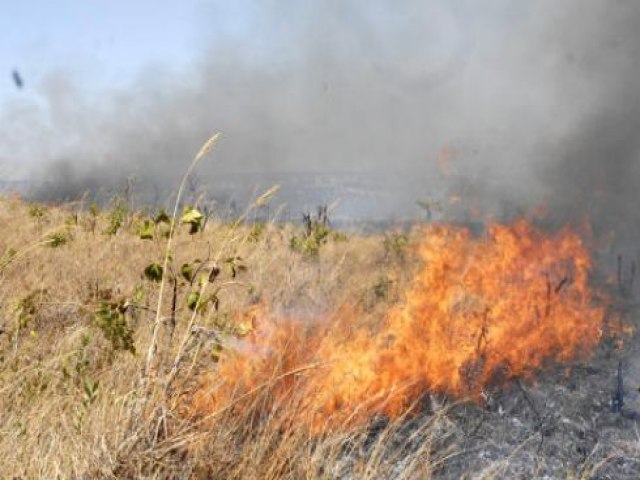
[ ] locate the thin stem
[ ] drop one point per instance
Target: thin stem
(206, 148)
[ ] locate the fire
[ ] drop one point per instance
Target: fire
(482, 311)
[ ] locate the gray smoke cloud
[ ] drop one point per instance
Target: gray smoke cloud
(592, 167)
(533, 101)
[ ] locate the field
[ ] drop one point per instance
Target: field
(133, 347)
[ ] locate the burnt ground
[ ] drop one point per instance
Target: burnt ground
(560, 425)
(569, 423)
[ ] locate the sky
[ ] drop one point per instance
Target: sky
(102, 43)
(95, 49)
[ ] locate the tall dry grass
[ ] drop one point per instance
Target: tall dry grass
(70, 403)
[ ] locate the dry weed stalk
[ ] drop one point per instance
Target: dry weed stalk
(156, 389)
(206, 148)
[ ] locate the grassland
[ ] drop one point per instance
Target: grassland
(78, 313)
(89, 391)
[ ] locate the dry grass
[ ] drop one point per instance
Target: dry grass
(74, 405)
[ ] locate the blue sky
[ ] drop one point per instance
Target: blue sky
(105, 43)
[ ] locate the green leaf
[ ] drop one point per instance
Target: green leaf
(216, 351)
(153, 272)
(111, 319)
(138, 295)
(116, 219)
(192, 300)
(146, 232)
(94, 209)
(57, 239)
(90, 387)
(162, 217)
(37, 211)
(187, 272)
(235, 266)
(193, 217)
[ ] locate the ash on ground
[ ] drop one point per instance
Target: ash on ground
(575, 421)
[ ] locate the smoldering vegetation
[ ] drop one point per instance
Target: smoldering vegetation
(535, 103)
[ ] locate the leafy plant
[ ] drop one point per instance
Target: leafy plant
(117, 217)
(305, 245)
(187, 272)
(27, 308)
(192, 300)
(147, 230)
(37, 212)
(316, 233)
(256, 232)
(317, 227)
(90, 389)
(234, 265)
(81, 360)
(154, 272)
(94, 212)
(71, 220)
(138, 295)
(159, 224)
(89, 395)
(194, 218)
(162, 217)
(111, 319)
(57, 239)
(94, 209)
(396, 244)
(200, 304)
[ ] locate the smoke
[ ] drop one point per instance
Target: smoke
(592, 166)
(537, 101)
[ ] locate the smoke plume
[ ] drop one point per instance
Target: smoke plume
(535, 102)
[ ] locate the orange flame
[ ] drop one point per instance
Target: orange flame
(483, 310)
